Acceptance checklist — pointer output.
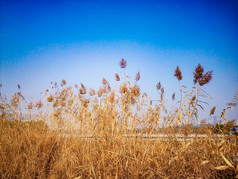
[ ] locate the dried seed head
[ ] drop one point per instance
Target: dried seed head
(76, 86)
(57, 113)
(50, 98)
(135, 90)
(123, 88)
(101, 91)
(104, 81)
(144, 95)
(178, 73)
(198, 73)
(162, 90)
(83, 89)
(138, 76)
(91, 92)
(173, 96)
(64, 94)
(133, 101)
(193, 98)
(108, 87)
(206, 78)
(19, 87)
(158, 86)
(123, 63)
(39, 104)
(212, 110)
(117, 77)
(30, 105)
(63, 82)
(85, 103)
(15, 100)
(56, 85)
(56, 103)
(112, 97)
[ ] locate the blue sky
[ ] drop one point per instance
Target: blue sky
(83, 41)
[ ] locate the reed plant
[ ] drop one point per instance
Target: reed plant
(112, 132)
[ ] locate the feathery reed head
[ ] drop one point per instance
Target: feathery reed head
(83, 89)
(63, 82)
(123, 63)
(101, 91)
(200, 78)
(158, 86)
(50, 98)
(212, 110)
(138, 76)
(193, 98)
(123, 88)
(117, 77)
(30, 105)
(162, 90)
(178, 73)
(173, 96)
(112, 97)
(108, 87)
(206, 78)
(104, 81)
(91, 92)
(39, 104)
(198, 73)
(135, 90)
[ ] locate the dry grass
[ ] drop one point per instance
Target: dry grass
(81, 133)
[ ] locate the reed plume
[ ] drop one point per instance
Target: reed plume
(104, 81)
(137, 76)
(83, 89)
(206, 78)
(63, 82)
(91, 92)
(200, 78)
(212, 110)
(50, 98)
(178, 73)
(158, 86)
(173, 96)
(117, 77)
(198, 73)
(123, 63)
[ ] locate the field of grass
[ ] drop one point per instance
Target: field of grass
(76, 132)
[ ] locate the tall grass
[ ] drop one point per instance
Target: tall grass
(76, 132)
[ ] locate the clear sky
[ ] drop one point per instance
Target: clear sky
(83, 41)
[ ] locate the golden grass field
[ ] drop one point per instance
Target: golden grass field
(76, 132)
